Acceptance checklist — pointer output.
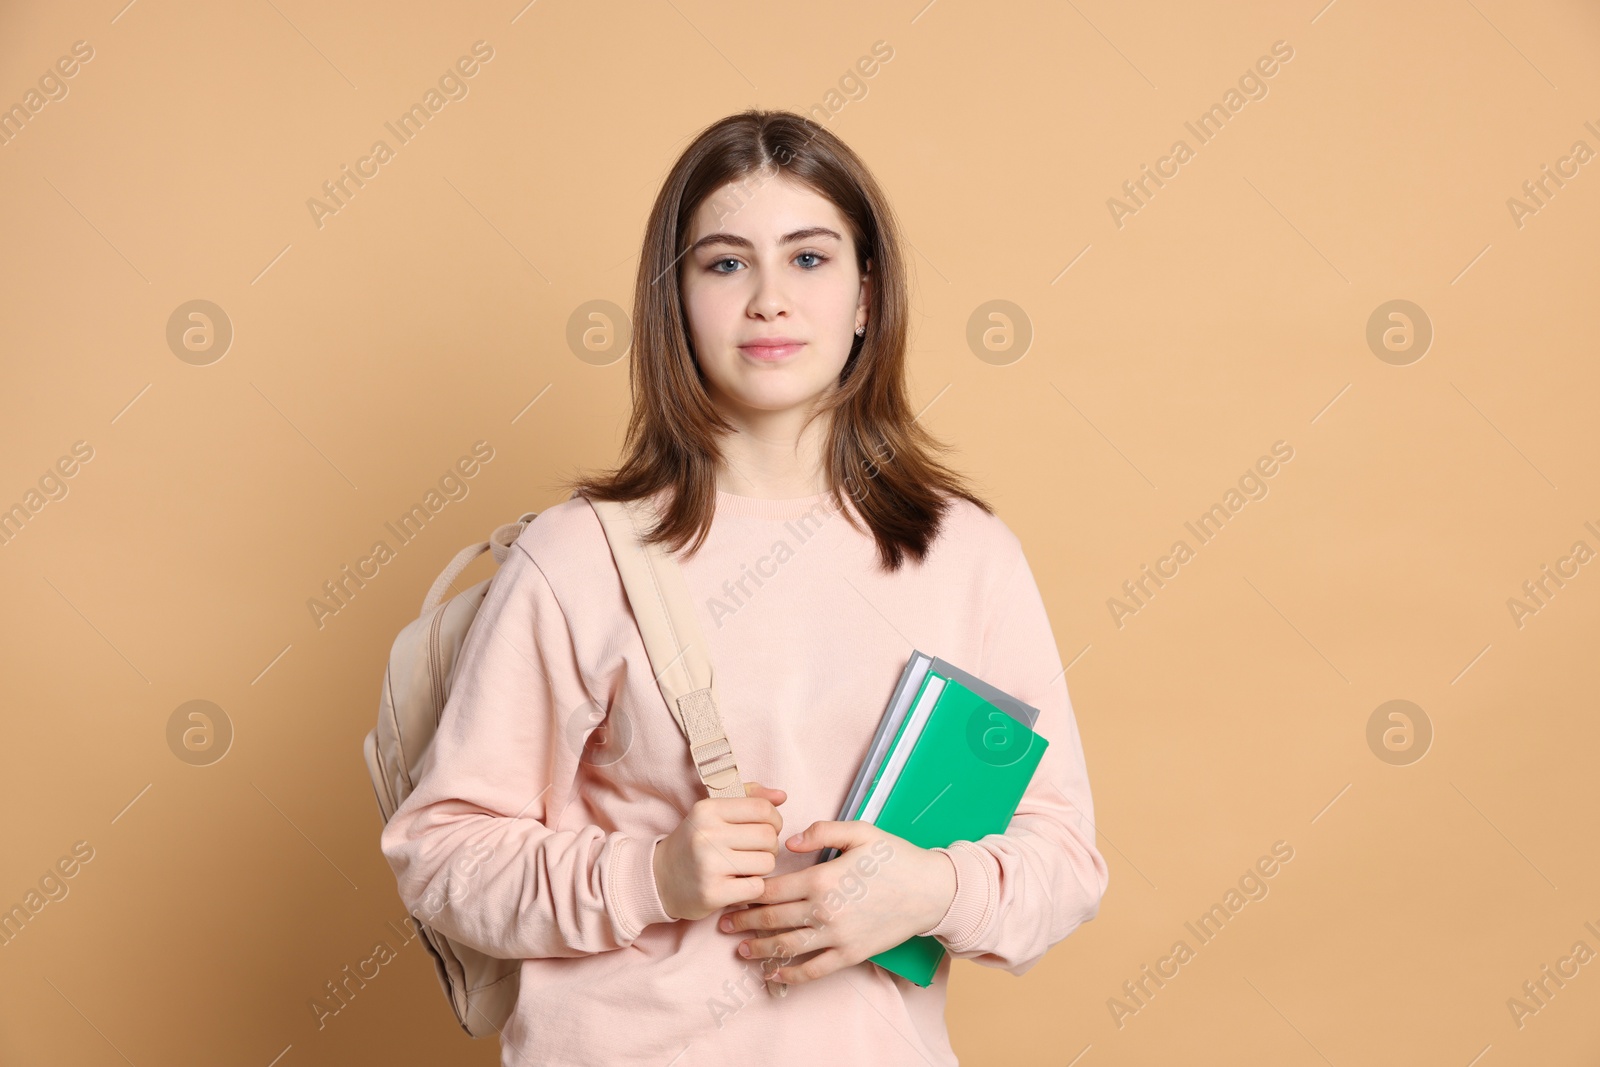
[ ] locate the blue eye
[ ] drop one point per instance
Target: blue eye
(717, 263)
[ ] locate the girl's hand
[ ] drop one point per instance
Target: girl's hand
(875, 894)
(717, 855)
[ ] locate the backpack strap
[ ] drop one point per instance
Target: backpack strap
(499, 544)
(678, 654)
(672, 637)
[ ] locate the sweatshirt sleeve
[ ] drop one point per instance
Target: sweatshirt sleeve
(1020, 892)
(472, 847)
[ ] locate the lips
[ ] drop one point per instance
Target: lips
(770, 349)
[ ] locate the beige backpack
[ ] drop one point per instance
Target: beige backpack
(483, 989)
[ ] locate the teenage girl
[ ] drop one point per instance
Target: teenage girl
(822, 542)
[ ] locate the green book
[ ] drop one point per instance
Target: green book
(956, 771)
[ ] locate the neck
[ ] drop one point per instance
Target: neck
(772, 457)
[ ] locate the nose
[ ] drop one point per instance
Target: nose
(769, 299)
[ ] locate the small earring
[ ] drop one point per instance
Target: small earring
(861, 331)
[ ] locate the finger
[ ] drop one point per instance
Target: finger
(820, 965)
(748, 865)
(830, 834)
(765, 917)
(756, 863)
(784, 888)
(786, 945)
(746, 836)
(748, 809)
(742, 892)
(771, 796)
(765, 792)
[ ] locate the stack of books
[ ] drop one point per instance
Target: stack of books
(950, 762)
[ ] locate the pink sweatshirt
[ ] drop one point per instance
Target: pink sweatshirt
(807, 640)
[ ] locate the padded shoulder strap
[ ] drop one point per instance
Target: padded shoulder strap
(678, 654)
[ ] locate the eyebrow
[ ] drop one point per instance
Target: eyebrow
(740, 242)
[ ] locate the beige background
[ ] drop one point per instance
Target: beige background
(1168, 354)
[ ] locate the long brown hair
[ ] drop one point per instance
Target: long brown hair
(876, 452)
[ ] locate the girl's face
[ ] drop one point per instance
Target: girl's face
(771, 261)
